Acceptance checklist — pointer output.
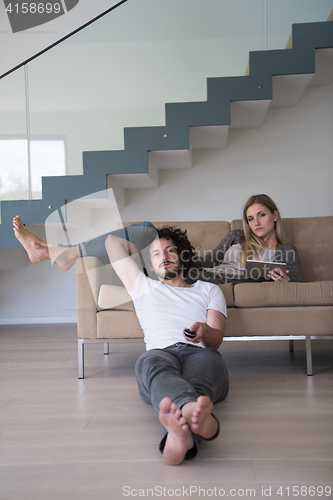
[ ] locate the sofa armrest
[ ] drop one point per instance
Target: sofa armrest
(88, 270)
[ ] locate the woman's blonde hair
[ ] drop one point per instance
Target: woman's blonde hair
(253, 245)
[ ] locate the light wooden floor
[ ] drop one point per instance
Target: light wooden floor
(64, 438)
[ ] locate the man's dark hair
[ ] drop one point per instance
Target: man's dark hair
(181, 242)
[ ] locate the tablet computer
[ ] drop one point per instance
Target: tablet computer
(258, 269)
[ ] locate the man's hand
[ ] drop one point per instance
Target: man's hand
(199, 329)
(210, 334)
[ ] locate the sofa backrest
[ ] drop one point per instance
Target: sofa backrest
(203, 235)
(313, 237)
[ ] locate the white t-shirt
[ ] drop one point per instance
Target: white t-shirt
(164, 311)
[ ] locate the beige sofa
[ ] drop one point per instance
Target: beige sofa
(255, 310)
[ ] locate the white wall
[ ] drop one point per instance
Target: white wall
(37, 294)
(289, 158)
(17, 48)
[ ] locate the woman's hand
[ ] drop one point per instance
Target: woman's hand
(279, 276)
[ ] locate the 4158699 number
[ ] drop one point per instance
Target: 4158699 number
(304, 491)
(34, 8)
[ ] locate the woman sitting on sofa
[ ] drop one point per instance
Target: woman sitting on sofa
(261, 239)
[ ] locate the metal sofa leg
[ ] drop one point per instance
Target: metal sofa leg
(291, 346)
(106, 348)
(308, 355)
(80, 358)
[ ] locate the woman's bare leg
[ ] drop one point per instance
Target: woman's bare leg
(39, 250)
(26, 238)
(64, 257)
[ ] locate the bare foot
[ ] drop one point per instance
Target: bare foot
(179, 439)
(39, 250)
(26, 238)
(199, 417)
(42, 250)
(64, 257)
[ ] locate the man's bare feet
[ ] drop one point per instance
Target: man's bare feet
(199, 417)
(26, 238)
(179, 439)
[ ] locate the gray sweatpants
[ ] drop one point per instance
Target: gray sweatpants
(182, 372)
(96, 246)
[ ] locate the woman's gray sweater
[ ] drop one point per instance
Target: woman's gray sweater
(285, 252)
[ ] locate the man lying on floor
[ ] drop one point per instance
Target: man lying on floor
(181, 375)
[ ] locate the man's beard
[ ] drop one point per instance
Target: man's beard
(169, 274)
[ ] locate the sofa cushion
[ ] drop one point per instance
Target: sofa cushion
(277, 321)
(116, 297)
(118, 325)
(319, 293)
(228, 293)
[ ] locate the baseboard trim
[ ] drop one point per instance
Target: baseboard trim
(38, 320)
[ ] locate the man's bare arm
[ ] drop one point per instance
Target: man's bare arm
(119, 252)
(210, 333)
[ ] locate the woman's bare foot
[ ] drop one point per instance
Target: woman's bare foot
(179, 439)
(39, 250)
(199, 417)
(26, 238)
(64, 257)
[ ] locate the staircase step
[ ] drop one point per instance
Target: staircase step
(177, 159)
(209, 137)
(324, 67)
(248, 114)
(287, 89)
(81, 212)
(276, 78)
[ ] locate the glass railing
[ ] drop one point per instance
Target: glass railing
(121, 70)
(14, 182)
